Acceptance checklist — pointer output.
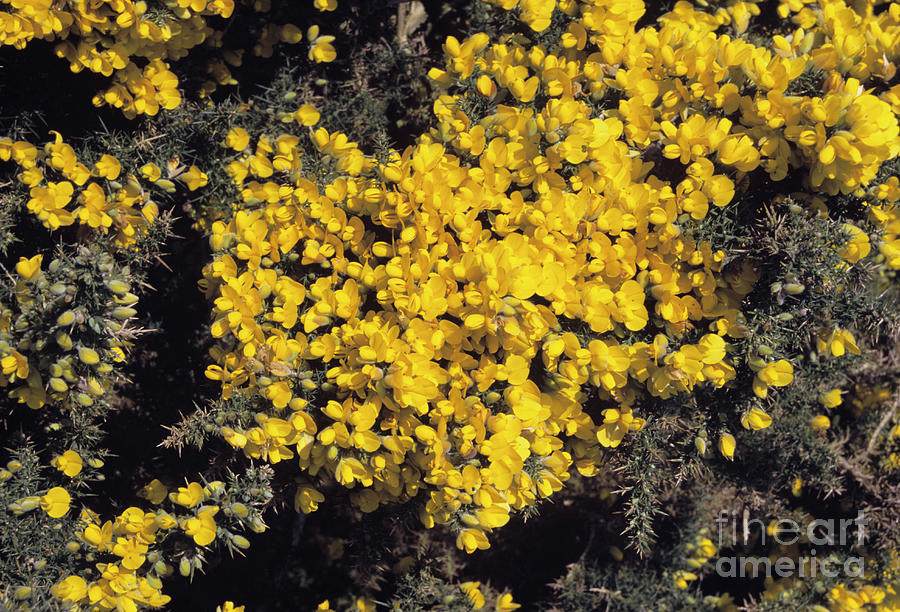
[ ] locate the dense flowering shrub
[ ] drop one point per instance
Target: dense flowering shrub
(653, 249)
(469, 298)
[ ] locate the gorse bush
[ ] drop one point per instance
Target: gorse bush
(535, 271)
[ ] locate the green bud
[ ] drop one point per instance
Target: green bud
(700, 444)
(756, 363)
(123, 312)
(166, 185)
(118, 286)
(23, 593)
(88, 355)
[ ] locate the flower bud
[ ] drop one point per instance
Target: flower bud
(23, 592)
(88, 355)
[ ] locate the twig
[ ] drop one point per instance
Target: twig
(884, 420)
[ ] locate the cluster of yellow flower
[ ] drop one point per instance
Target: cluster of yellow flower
(886, 216)
(699, 552)
(442, 370)
(56, 501)
(132, 578)
(875, 591)
(429, 340)
(442, 290)
(677, 72)
(116, 39)
(866, 597)
(132, 42)
(104, 203)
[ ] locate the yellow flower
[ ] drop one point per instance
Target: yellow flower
(229, 606)
(307, 500)
(831, 399)
(325, 5)
(857, 246)
(69, 463)
(616, 423)
(776, 374)
(471, 540)
(307, 115)
(237, 139)
(188, 496)
(29, 268)
(194, 178)
(537, 13)
(756, 419)
(203, 527)
(473, 594)
(683, 577)
(15, 364)
(505, 603)
(820, 422)
(838, 342)
(49, 203)
(364, 604)
(321, 49)
(486, 86)
(155, 492)
(55, 502)
(727, 444)
(72, 588)
(151, 172)
(108, 167)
